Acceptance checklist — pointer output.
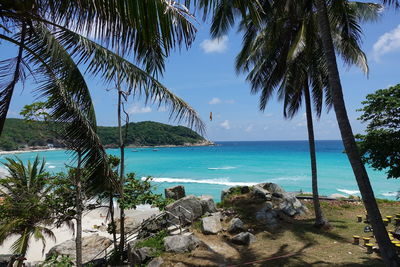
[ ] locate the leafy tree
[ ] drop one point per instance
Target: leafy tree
(25, 211)
(380, 146)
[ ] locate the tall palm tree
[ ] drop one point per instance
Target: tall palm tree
(387, 249)
(24, 211)
(292, 62)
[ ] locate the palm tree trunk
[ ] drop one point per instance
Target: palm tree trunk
(386, 248)
(24, 248)
(79, 208)
(320, 220)
(121, 175)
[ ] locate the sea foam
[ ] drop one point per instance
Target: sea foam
(223, 168)
(221, 181)
(390, 194)
(349, 192)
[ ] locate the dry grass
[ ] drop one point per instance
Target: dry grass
(296, 243)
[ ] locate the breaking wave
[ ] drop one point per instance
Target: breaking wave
(223, 168)
(221, 181)
(349, 192)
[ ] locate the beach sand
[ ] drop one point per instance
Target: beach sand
(90, 219)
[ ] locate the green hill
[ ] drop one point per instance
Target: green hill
(19, 134)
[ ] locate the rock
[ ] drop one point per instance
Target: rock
(32, 264)
(139, 256)
(176, 192)
(5, 259)
(187, 209)
(245, 189)
(267, 215)
(224, 194)
(235, 225)
(211, 225)
(208, 204)
(181, 243)
(180, 264)
(337, 196)
(92, 248)
(244, 238)
(259, 192)
(273, 188)
(156, 262)
(232, 190)
(290, 205)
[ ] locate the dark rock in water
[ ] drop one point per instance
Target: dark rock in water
(244, 238)
(181, 243)
(208, 204)
(187, 209)
(235, 226)
(176, 192)
(211, 225)
(156, 262)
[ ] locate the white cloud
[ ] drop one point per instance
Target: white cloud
(137, 109)
(218, 45)
(249, 128)
(230, 101)
(225, 125)
(388, 42)
(214, 101)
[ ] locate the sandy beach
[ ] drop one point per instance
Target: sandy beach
(90, 219)
(11, 152)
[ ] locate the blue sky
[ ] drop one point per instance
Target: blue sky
(204, 76)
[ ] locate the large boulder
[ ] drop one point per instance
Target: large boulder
(211, 224)
(181, 243)
(139, 256)
(176, 192)
(208, 204)
(267, 215)
(290, 205)
(244, 238)
(92, 247)
(187, 209)
(156, 262)
(260, 192)
(235, 226)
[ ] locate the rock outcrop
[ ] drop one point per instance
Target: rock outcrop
(211, 225)
(176, 192)
(208, 204)
(187, 209)
(244, 238)
(91, 247)
(235, 226)
(156, 262)
(181, 243)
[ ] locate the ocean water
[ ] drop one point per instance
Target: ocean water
(208, 170)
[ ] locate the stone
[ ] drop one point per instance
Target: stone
(211, 225)
(5, 259)
(224, 194)
(267, 215)
(208, 204)
(235, 226)
(156, 262)
(92, 248)
(176, 192)
(181, 243)
(244, 238)
(273, 188)
(180, 264)
(187, 209)
(139, 256)
(245, 189)
(290, 205)
(259, 192)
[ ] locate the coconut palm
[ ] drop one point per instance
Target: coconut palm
(294, 66)
(387, 249)
(24, 211)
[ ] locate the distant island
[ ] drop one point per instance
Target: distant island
(19, 134)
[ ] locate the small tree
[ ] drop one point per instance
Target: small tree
(380, 146)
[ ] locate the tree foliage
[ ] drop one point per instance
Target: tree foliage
(380, 145)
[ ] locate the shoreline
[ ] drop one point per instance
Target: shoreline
(43, 149)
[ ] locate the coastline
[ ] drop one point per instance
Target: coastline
(44, 149)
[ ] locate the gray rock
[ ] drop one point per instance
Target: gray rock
(140, 256)
(5, 259)
(273, 188)
(245, 189)
(176, 192)
(181, 243)
(156, 262)
(244, 238)
(290, 205)
(224, 194)
(235, 225)
(208, 204)
(180, 264)
(260, 192)
(187, 209)
(91, 247)
(267, 216)
(211, 225)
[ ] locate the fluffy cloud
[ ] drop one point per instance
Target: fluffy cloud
(218, 45)
(214, 101)
(387, 43)
(225, 124)
(137, 109)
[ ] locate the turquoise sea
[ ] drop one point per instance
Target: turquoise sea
(208, 170)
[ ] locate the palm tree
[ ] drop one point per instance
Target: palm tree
(294, 65)
(24, 211)
(387, 249)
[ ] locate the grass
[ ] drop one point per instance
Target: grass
(296, 242)
(156, 242)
